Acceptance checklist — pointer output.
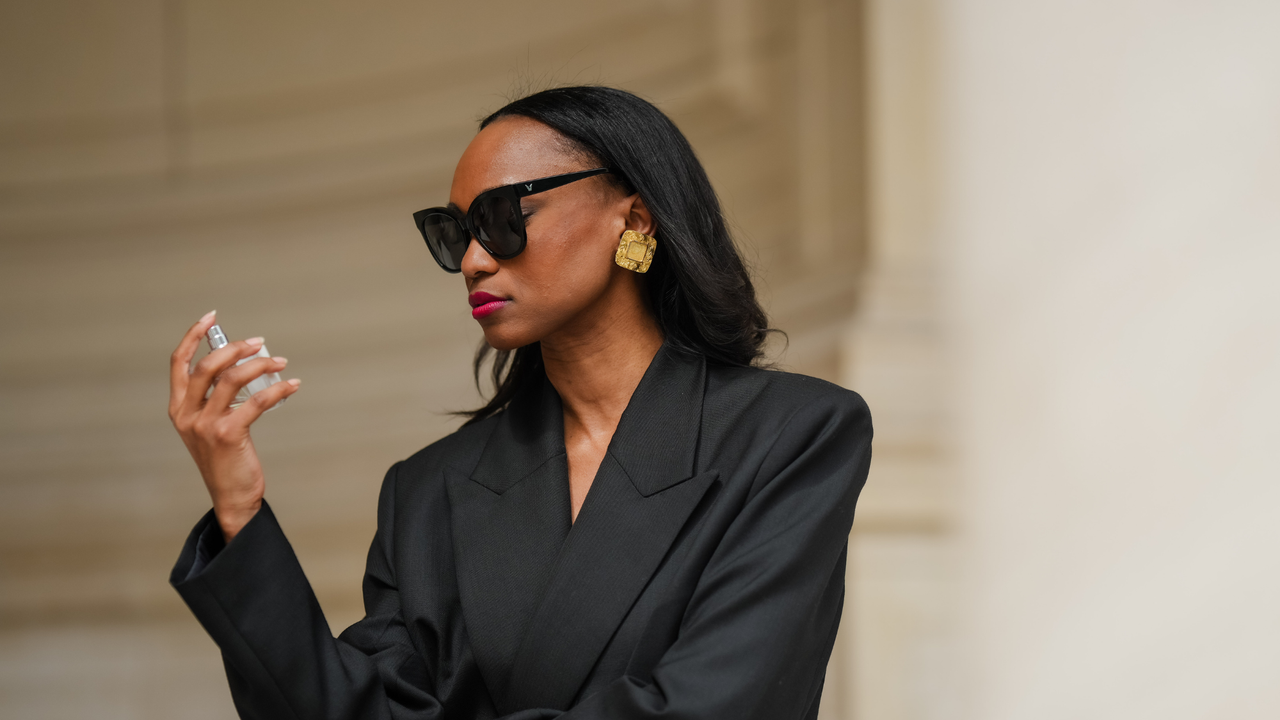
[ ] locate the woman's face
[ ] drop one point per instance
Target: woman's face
(565, 281)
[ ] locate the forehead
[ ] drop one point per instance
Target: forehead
(510, 150)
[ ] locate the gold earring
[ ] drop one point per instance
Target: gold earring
(635, 251)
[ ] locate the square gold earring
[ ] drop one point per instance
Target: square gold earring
(635, 251)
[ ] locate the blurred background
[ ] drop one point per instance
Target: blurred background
(1041, 238)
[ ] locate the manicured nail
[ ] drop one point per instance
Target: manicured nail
(208, 315)
(295, 382)
(254, 341)
(281, 360)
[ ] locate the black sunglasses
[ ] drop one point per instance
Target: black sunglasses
(494, 219)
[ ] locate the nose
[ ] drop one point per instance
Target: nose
(476, 261)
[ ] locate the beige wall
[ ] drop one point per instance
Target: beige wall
(160, 159)
(1070, 332)
(1111, 233)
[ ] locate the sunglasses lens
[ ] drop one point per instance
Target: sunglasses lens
(499, 224)
(446, 239)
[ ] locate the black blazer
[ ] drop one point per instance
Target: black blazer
(703, 578)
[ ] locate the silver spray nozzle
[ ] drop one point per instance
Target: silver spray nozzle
(216, 338)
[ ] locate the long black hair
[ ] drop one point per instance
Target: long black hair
(699, 289)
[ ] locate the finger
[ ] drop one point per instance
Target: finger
(235, 378)
(264, 400)
(213, 365)
(180, 361)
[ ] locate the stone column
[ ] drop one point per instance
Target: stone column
(897, 627)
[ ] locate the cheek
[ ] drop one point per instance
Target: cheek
(570, 268)
(566, 268)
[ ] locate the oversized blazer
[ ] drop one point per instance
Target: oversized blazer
(702, 579)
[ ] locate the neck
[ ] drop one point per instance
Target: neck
(596, 367)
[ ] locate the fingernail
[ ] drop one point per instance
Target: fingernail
(281, 360)
(208, 315)
(295, 382)
(254, 341)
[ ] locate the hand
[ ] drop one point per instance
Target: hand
(216, 435)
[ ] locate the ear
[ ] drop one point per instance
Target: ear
(638, 216)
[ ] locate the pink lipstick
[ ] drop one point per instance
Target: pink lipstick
(483, 304)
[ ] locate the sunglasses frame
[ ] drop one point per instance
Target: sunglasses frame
(513, 193)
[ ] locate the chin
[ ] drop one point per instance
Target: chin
(503, 339)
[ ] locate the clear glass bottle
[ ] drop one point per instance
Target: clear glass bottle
(218, 339)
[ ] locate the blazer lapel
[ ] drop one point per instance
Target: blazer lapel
(640, 499)
(510, 518)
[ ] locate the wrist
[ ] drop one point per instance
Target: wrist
(233, 516)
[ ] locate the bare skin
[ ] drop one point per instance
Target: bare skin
(596, 331)
(216, 435)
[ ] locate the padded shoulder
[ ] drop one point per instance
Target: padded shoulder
(459, 449)
(783, 392)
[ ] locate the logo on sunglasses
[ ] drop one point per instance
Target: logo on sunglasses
(529, 186)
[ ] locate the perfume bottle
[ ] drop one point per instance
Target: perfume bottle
(218, 339)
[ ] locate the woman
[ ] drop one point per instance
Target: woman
(639, 524)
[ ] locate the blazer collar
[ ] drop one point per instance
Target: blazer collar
(526, 435)
(539, 593)
(656, 441)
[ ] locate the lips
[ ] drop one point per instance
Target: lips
(483, 304)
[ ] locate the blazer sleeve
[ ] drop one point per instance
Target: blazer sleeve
(281, 659)
(756, 634)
